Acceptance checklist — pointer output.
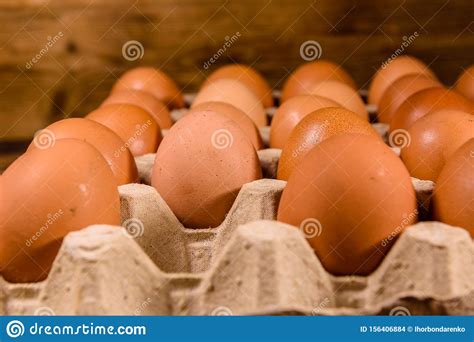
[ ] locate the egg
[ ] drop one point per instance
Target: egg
(234, 93)
(239, 117)
(201, 165)
(107, 142)
(425, 101)
(153, 81)
(135, 126)
(433, 139)
(48, 192)
(465, 83)
(393, 70)
(143, 100)
(399, 91)
(452, 200)
(306, 76)
(351, 196)
(248, 76)
(343, 94)
(315, 128)
(291, 112)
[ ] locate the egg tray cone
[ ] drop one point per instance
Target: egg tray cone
(249, 265)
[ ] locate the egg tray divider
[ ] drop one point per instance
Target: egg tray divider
(250, 264)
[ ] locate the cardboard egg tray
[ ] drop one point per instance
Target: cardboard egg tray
(249, 265)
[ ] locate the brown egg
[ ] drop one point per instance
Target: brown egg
(201, 165)
(465, 83)
(343, 94)
(389, 73)
(291, 112)
(248, 76)
(153, 81)
(315, 128)
(143, 100)
(234, 93)
(242, 120)
(135, 126)
(452, 200)
(433, 139)
(306, 76)
(399, 91)
(107, 142)
(51, 191)
(426, 101)
(351, 197)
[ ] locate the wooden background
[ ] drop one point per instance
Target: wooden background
(76, 73)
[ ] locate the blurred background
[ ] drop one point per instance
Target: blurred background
(59, 58)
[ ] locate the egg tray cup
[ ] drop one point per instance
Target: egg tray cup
(249, 265)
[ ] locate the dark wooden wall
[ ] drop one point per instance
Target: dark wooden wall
(76, 73)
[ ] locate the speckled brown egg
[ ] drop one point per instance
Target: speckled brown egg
(134, 125)
(247, 75)
(106, 141)
(235, 93)
(399, 91)
(343, 94)
(291, 112)
(315, 128)
(433, 139)
(306, 76)
(452, 200)
(50, 191)
(201, 165)
(351, 197)
(393, 70)
(143, 100)
(153, 81)
(244, 122)
(465, 83)
(425, 101)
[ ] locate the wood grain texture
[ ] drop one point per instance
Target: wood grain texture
(75, 74)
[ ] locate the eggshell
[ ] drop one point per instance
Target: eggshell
(465, 83)
(201, 165)
(343, 94)
(351, 197)
(153, 81)
(248, 76)
(291, 112)
(135, 126)
(143, 100)
(315, 128)
(50, 192)
(389, 73)
(399, 91)
(426, 101)
(239, 117)
(235, 93)
(106, 141)
(306, 76)
(433, 139)
(452, 200)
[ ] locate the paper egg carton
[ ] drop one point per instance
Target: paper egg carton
(249, 265)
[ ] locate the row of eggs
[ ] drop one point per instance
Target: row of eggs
(341, 175)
